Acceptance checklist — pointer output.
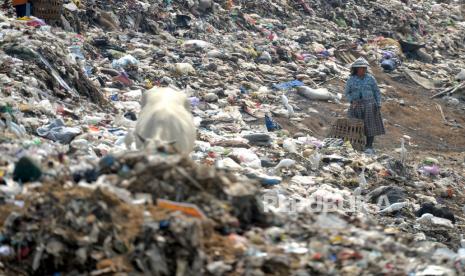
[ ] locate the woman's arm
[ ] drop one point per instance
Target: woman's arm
(348, 90)
(376, 91)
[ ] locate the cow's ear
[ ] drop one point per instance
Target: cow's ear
(187, 105)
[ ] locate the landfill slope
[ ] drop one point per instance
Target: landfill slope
(264, 192)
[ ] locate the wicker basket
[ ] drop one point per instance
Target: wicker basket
(349, 129)
(47, 9)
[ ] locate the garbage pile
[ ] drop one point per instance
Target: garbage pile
(105, 228)
(163, 215)
(264, 192)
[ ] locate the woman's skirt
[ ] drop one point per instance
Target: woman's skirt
(369, 112)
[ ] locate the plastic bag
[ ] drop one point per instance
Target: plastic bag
(290, 109)
(184, 69)
(197, 44)
(247, 158)
(320, 94)
(394, 207)
(288, 85)
(93, 120)
(430, 170)
(285, 163)
(194, 101)
(290, 146)
(124, 62)
(460, 260)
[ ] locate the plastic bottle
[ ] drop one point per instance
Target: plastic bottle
(403, 151)
(394, 207)
(92, 120)
(290, 111)
(315, 159)
(81, 144)
(270, 181)
(362, 180)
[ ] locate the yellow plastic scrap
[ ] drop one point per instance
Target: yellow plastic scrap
(336, 240)
(254, 95)
(348, 145)
(148, 84)
(251, 52)
(24, 18)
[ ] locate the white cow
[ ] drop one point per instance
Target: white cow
(165, 118)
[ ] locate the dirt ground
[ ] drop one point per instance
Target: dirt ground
(417, 117)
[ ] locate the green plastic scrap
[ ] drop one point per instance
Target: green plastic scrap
(6, 109)
(341, 22)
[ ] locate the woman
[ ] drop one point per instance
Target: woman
(365, 101)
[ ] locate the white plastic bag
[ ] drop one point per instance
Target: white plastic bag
(124, 62)
(290, 109)
(196, 44)
(315, 159)
(289, 145)
(320, 94)
(362, 181)
(184, 69)
(285, 163)
(247, 158)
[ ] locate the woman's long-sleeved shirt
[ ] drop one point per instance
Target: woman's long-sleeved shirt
(362, 89)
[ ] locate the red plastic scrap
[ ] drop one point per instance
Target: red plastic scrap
(348, 254)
